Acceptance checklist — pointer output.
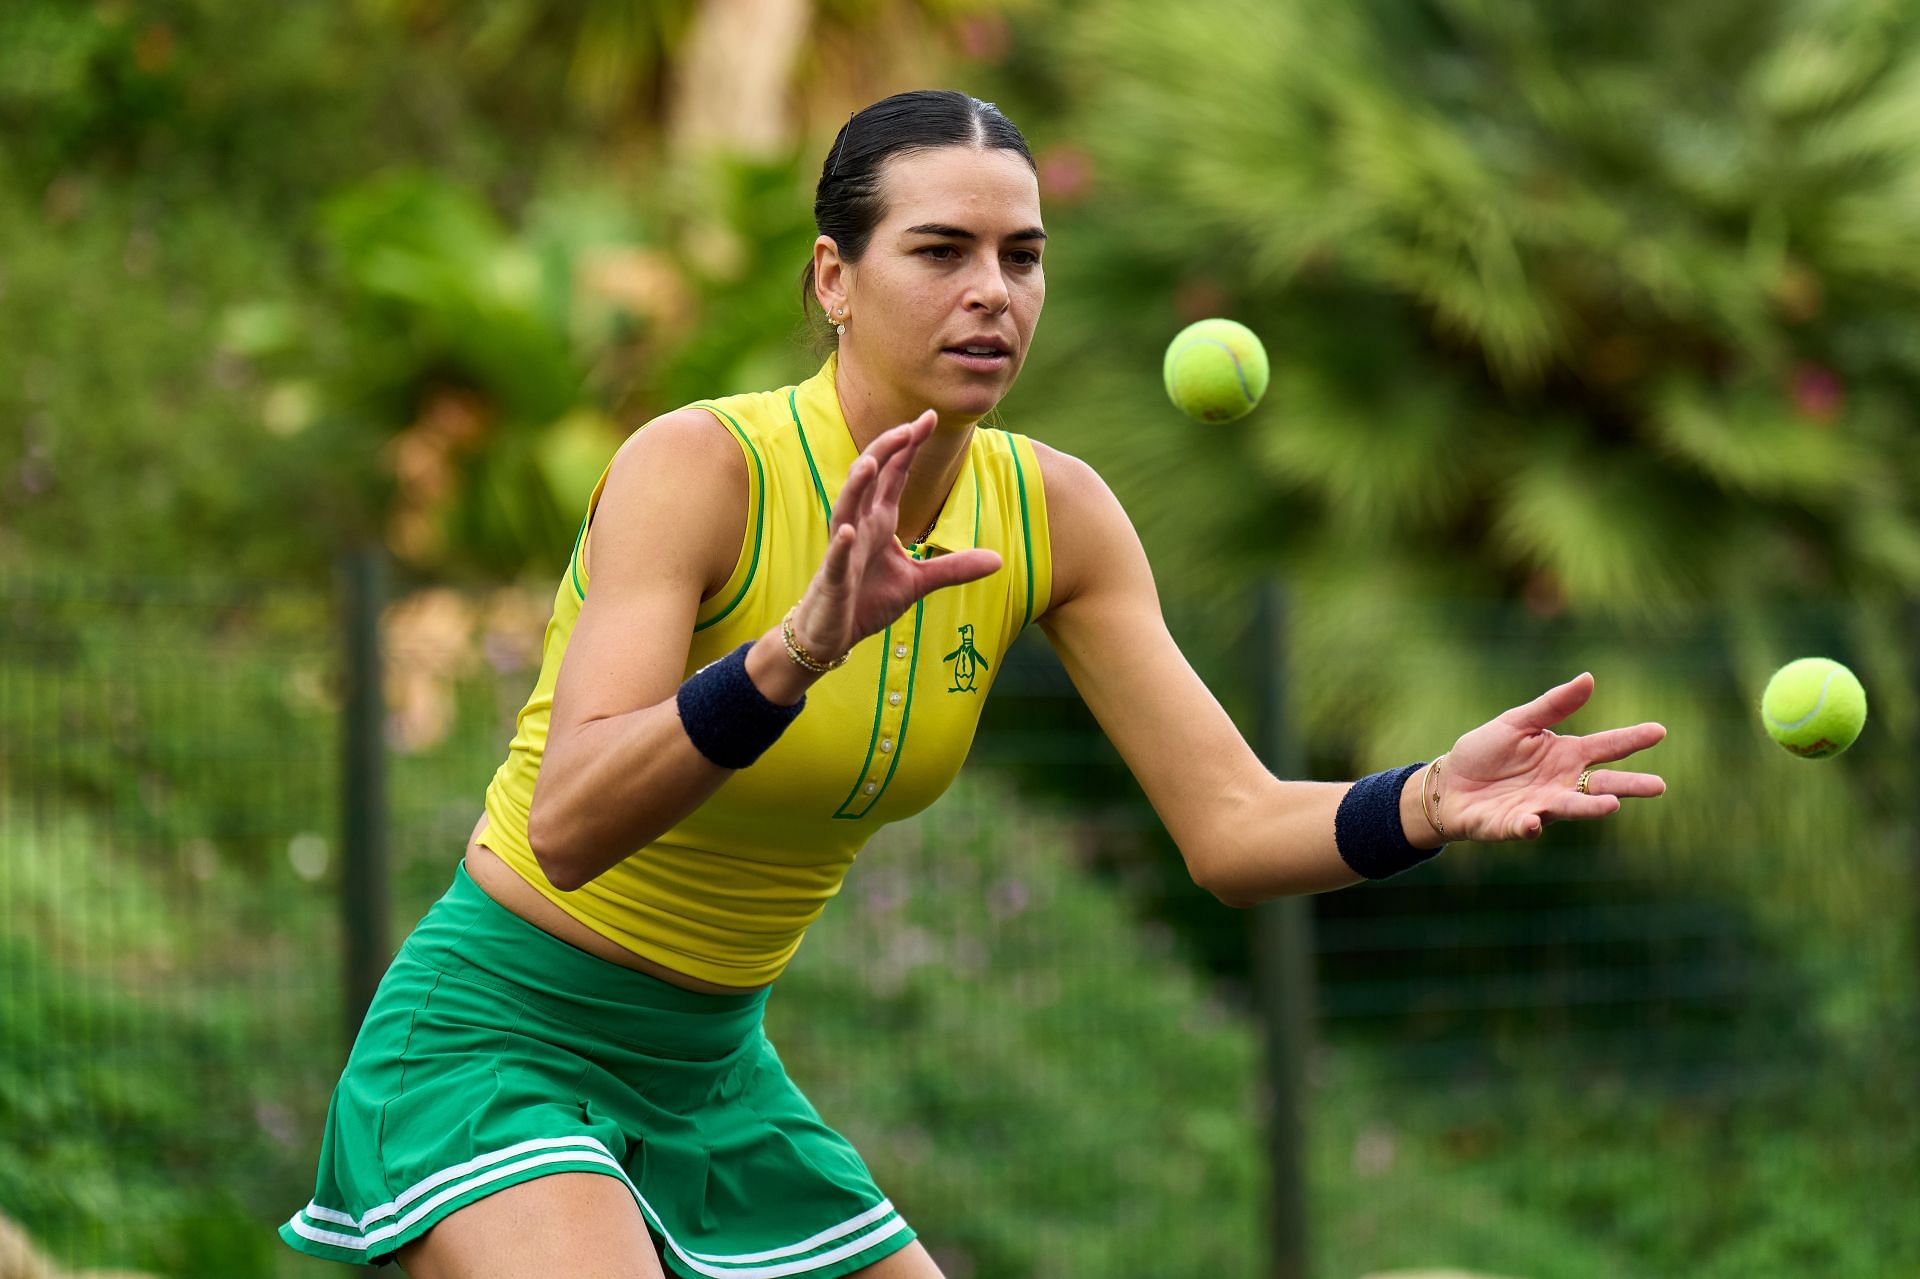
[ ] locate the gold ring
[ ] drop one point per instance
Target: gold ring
(1586, 775)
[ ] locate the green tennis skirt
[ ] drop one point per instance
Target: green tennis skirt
(495, 1053)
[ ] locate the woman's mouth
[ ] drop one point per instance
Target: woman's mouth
(981, 359)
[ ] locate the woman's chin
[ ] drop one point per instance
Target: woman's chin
(965, 412)
(969, 402)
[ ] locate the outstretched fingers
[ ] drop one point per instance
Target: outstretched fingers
(1575, 807)
(1606, 781)
(1618, 743)
(836, 568)
(892, 482)
(894, 475)
(951, 570)
(1570, 807)
(857, 494)
(1552, 706)
(852, 502)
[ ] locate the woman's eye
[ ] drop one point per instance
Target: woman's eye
(948, 253)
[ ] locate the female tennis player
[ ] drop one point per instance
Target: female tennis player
(781, 617)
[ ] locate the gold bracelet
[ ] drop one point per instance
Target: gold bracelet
(800, 656)
(1429, 803)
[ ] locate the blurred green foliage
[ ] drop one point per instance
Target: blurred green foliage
(171, 712)
(137, 436)
(156, 1085)
(1600, 312)
(609, 54)
(1551, 1179)
(1616, 325)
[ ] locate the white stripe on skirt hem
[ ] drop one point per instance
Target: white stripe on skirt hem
(587, 1150)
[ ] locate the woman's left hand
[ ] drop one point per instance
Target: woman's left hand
(1508, 778)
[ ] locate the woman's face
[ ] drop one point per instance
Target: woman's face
(955, 262)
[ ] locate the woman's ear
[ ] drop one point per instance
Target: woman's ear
(830, 275)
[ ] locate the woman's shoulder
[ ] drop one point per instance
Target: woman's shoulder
(1040, 464)
(1073, 487)
(753, 412)
(1089, 532)
(690, 440)
(681, 476)
(706, 442)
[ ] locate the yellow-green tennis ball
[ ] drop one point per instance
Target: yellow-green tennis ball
(1216, 370)
(1814, 707)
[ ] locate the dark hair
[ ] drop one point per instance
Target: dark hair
(847, 204)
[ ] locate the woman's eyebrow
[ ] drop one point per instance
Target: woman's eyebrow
(961, 233)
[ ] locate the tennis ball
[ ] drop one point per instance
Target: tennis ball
(1814, 707)
(1216, 370)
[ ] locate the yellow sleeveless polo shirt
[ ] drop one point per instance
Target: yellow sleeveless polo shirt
(728, 893)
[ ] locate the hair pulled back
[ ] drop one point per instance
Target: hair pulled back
(847, 205)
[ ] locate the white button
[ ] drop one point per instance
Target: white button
(893, 699)
(900, 650)
(886, 744)
(870, 788)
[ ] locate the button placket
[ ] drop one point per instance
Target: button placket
(900, 659)
(887, 736)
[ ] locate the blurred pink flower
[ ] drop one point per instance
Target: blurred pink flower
(984, 37)
(1066, 173)
(1818, 393)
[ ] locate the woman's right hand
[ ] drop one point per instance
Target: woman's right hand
(867, 578)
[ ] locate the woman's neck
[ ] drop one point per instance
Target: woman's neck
(869, 413)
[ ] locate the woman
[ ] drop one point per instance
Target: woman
(563, 1072)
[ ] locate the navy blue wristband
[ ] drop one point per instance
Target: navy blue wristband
(727, 717)
(1367, 828)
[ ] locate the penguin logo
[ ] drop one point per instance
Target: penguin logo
(966, 662)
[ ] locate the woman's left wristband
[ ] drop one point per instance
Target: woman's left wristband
(1368, 830)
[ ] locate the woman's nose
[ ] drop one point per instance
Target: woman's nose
(990, 290)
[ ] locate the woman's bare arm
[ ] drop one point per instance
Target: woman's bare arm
(1246, 835)
(1220, 804)
(619, 769)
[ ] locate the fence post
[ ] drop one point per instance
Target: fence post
(1282, 942)
(363, 814)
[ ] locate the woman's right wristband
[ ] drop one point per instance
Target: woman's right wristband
(726, 716)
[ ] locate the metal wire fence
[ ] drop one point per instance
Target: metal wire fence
(1047, 1044)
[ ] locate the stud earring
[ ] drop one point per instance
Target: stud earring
(840, 330)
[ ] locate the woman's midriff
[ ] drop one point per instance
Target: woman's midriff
(502, 883)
